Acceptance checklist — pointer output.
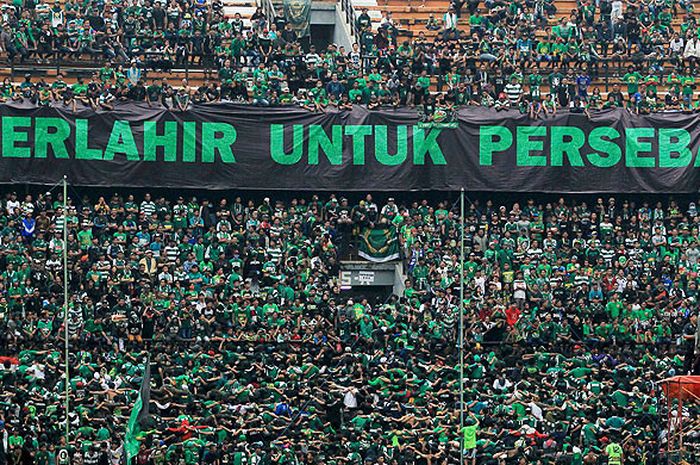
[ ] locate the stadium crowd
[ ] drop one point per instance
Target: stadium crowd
(573, 313)
(513, 55)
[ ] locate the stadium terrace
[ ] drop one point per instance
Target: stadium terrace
(349, 232)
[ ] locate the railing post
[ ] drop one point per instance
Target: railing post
(349, 10)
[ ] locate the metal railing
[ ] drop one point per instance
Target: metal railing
(350, 16)
(269, 9)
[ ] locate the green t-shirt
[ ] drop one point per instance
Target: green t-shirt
(614, 453)
(79, 89)
(470, 436)
(688, 82)
(632, 80)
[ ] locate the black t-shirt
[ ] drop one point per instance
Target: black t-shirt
(265, 44)
(364, 20)
(689, 330)
(59, 39)
(617, 96)
(212, 93)
(633, 28)
(129, 27)
(97, 22)
(154, 92)
(159, 17)
(499, 83)
(91, 458)
(210, 457)
(45, 37)
(138, 93)
(289, 35)
(197, 42)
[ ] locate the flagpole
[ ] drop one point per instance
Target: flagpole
(461, 328)
(65, 301)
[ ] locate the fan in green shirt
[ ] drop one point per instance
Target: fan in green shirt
(79, 88)
(614, 453)
(555, 80)
(534, 80)
(106, 73)
(614, 308)
(259, 91)
(665, 17)
(424, 82)
(687, 87)
(375, 76)
(469, 437)
(319, 93)
(632, 79)
(652, 83)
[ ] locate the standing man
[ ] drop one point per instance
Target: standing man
(469, 441)
(449, 24)
(614, 453)
(692, 349)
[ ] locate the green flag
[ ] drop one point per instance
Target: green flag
(379, 244)
(298, 15)
(138, 415)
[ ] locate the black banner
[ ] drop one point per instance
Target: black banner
(229, 146)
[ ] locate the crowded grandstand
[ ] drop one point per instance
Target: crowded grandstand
(174, 293)
(537, 57)
(573, 314)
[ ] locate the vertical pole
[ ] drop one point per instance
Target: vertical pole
(65, 301)
(669, 417)
(461, 328)
(681, 452)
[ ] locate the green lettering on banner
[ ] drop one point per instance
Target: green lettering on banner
(358, 133)
(152, 140)
(607, 153)
(212, 144)
(634, 146)
(332, 147)
(277, 152)
(493, 139)
(82, 151)
(121, 140)
(566, 140)
(381, 145)
(189, 141)
(10, 136)
(427, 145)
(674, 141)
(43, 137)
(525, 145)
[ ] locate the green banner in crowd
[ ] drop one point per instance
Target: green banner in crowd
(298, 15)
(379, 244)
(138, 416)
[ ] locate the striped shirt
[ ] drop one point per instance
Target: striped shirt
(513, 92)
(148, 208)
